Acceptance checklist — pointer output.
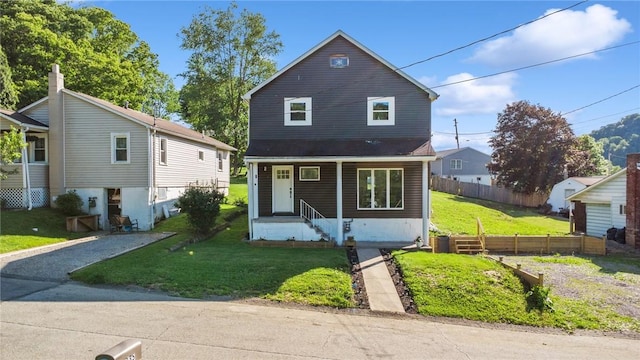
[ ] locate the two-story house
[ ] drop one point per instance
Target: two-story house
(465, 165)
(120, 161)
(339, 145)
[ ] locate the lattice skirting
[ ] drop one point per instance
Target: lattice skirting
(17, 198)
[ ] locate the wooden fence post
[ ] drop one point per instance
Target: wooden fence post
(548, 241)
(582, 244)
(515, 244)
(541, 279)
(604, 245)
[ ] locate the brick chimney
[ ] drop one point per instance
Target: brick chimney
(632, 234)
(56, 133)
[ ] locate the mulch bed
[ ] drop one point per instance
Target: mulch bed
(357, 281)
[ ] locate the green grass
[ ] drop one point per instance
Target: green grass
(16, 227)
(457, 215)
(226, 266)
(476, 288)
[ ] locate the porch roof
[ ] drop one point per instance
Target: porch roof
(343, 147)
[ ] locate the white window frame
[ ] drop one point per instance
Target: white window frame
(338, 61)
(115, 136)
(163, 152)
(391, 100)
(387, 179)
(32, 150)
(455, 164)
(200, 155)
(221, 157)
(301, 170)
(287, 111)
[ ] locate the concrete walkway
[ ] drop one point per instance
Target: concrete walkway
(381, 291)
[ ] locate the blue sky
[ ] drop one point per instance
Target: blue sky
(405, 32)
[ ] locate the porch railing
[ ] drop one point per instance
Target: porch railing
(316, 220)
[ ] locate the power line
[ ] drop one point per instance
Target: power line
(489, 37)
(599, 101)
(534, 65)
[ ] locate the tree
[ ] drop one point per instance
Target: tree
(530, 148)
(231, 54)
(585, 158)
(11, 145)
(620, 138)
(8, 93)
(202, 206)
(99, 54)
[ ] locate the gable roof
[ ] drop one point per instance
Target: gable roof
(587, 181)
(161, 125)
(432, 94)
(445, 153)
(21, 119)
(598, 184)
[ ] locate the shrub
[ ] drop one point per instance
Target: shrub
(538, 298)
(70, 203)
(202, 205)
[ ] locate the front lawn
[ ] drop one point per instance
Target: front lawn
(475, 288)
(224, 265)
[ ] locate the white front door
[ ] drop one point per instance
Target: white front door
(282, 189)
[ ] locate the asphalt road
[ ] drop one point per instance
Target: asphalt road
(51, 318)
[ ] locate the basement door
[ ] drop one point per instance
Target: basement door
(282, 190)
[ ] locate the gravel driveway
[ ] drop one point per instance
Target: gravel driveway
(55, 262)
(611, 280)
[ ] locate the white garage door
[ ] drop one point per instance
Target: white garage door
(598, 219)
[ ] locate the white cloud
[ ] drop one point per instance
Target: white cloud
(482, 96)
(557, 36)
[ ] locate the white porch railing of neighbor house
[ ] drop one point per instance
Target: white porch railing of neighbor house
(316, 220)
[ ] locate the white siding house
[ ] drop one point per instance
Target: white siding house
(125, 161)
(567, 187)
(605, 203)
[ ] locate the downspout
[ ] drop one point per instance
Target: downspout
(151, 158)
(25, 169)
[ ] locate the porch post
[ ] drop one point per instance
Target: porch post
(253, 198)
(425, 203)
(339, 233)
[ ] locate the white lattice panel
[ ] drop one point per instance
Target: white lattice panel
(13, 198)
(40, 197)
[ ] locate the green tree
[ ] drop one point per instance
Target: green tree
(11, 145)
(8, 93)
(619, 139)
(585, 158)
(530, 148)
(98, 54)
(230, 54)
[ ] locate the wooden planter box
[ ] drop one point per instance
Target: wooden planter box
(83, 223)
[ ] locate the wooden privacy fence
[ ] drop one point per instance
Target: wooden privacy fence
(486, 192)
(537, 244)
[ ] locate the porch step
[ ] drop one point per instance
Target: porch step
(468, 246)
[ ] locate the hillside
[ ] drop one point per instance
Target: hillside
(620, 139)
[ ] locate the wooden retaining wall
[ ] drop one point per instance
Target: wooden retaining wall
(542, 244)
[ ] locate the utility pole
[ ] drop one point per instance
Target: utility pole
(455, 124)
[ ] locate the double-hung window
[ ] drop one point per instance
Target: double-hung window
(38, 152)
(456, 164)
(120, 148)
(297, 111)
(381, 111)
(220, 160)
(163, 151)
(380, 189)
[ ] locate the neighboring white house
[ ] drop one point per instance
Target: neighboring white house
(464, 165)
(120, 161)
(605, 203)
(567, 187)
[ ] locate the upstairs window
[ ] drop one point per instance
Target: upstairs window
(120, 145)
(381, 111)
(456, 164)
(338, 61)
(163, 151)
(297, 111)
(200, 155)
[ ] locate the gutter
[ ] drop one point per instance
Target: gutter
(26, 180)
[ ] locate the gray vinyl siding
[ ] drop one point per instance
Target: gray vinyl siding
(339, 99)
(473, 163)
(183, 165)
(598, 219)
(321, 195)
(39, 113)
(88, 131)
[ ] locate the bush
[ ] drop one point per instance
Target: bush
(70, 203)
(538, 298)
(202, 205)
